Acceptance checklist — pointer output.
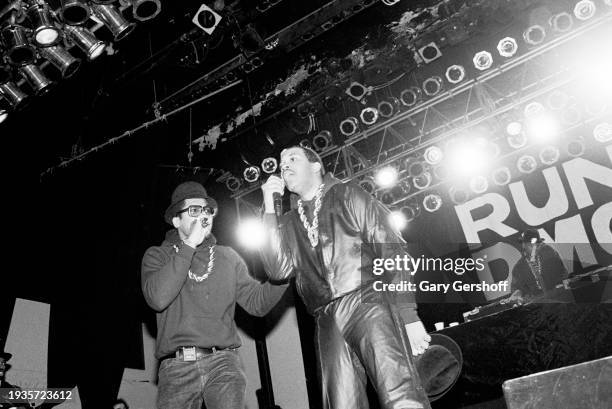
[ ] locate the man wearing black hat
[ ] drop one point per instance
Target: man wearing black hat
(5, 398)
(539, 269)
(193, 284)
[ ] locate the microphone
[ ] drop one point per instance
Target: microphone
(278, 204)
(533, 253)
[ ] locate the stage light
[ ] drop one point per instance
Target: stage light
(429, 52)
(493, 150)
(37, 80)
(562, 22)
(507, 47)
(232, 183)
(389, 107)
(483, 60)
(526, 164)
(13, 94)
(466, 156)
(433, 155)
(45, 32)
(251, 233)
(516, 141)
(3, 115)
(415, 167)
(432, 202)
(441, 172)
(74, 12)
(322, 141)
(113, 20)
(86, 41)
(501, 176)
(534, 35)
(206, 18)
(575, 147)
(557, 100)
(18, 49)
(543, 128)
(584, 9)
(397, 220)
(305, 143)
(409, 97)
(356, 91)
(533, 109)
(432, 86)
(369, 115)
(386, 177)
(603, 132)
(269, 165)
(251, 174)
(514, 128)
(349, 126)
(571, 115)
(549, 155)
(387, 197)
(458, 195)
(479, 184)
(455, 74)
(62, 60)
(411, 211)
(144, 10)
(597, 105)
(368, 185)
(423, 181)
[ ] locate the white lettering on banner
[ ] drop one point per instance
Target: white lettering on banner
(556, 205)
(579, 169)
(602, 226)
(499, 251)
(494, 221)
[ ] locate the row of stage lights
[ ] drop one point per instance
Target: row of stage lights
(37, 30)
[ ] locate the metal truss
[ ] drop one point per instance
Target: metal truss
(486, 98)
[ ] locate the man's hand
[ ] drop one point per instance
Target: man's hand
(516, 296)
(274, 184)
(196, 235)
(419, 338)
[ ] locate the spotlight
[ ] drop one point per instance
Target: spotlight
(423, 181)
(534, 35)
(507, 47)
(3, 115)
(232, 183)
(543, 128)
(562, 22)
(269, 165)
(206, 18)
(86, 41)
(13, 94)
(356, 91)
(144, 10)
(322, 141)
(368, 185)
(349, 126)
(483, 60)
(411, 96)
(514, 128)
(37, 80)
(584, 9)
(251, 174)
(15, 40)
(387, 197)
(603, 132)
(571, 115)
(479, 184)
(526, 164)
(557, 100)
(113, 20)
(45, 33)
(386, 177)
(429, 52)
(411, 211)
(517, 141)
(533, 109)
(575, 147)
(455, 74)
(251, 233)
(389, 107)
(433, 155)
(441, 172)
(62, 60)
(397, 220)
(501, 176)
(458, 195)
(74, 12)
(467, 156)
(549, 155)
(493, 150)
(305, 143)
(432, 202)
(416, 168)
(597, 105)
(369, 115)
(432, 86)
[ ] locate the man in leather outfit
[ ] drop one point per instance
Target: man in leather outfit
(328, 245)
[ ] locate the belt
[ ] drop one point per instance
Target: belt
(193, 353)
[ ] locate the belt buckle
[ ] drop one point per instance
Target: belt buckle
(189, 354)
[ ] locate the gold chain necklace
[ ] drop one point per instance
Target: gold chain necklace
(211, 264)
(312, 229)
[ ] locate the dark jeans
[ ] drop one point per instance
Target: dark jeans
(217, 379)
(358, 338)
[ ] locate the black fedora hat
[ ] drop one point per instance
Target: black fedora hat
(439, 366)
(5, 355)
(187, 190)
(529, 236)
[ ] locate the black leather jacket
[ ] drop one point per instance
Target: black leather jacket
(353, 230)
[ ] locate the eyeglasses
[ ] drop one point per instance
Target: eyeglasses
(195, 211)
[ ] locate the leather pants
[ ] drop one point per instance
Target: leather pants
(358, 336)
